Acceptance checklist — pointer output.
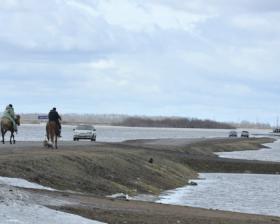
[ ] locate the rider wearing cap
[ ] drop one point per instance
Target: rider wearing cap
(54, 116)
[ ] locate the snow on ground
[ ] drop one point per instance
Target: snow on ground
(16, 182)
(19, 207)
(34, 214)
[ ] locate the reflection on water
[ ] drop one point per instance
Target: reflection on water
(248, 193)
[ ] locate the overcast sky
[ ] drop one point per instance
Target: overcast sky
(216, 59)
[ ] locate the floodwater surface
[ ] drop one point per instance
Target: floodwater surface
(247, 193)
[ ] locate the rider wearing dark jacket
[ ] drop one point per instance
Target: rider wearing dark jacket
(54, 116)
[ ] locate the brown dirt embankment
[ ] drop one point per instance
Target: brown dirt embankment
(100, 169)
(106, 168)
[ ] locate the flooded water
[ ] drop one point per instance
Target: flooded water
(247, 193)
(266, 154)
(30, 132)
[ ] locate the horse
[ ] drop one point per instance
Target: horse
(7, 125)
(52, 131)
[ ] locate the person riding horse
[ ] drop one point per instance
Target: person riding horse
(10, 114)
(9, 122)
(54, 116)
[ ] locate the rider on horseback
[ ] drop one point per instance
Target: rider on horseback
(54, 116)
(10, 114)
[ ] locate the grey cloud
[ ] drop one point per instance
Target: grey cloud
(168, 69)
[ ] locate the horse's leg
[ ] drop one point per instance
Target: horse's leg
(3, 135)
(14, 141)
(48, 136)
(56, 141)
(12, 133)
(52, 134)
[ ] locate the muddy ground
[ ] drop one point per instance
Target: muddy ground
(132, 167)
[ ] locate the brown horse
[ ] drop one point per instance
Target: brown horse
(7, 125)
(52, 131)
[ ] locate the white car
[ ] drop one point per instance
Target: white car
(84, 131)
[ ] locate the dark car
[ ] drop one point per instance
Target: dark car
(232, 134)
(84, 131)
(244, 134)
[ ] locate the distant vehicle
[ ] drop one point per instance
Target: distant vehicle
(244, 134)
(232, 134)
(275, 132)
(84, 131)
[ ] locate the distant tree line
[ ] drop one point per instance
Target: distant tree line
(102, 119)
(247, 124)
(173, 123)
(143, 121)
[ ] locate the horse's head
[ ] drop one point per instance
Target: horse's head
(18, 120)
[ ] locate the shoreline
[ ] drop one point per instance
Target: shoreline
(102, 169)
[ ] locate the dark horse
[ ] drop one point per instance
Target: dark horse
(7, 125)
(52, 131)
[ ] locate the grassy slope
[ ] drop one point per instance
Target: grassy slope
(110, 168)
(99, 173)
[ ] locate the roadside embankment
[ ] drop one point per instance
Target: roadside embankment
(133, 167)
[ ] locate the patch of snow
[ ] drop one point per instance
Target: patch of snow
(20, 207)
(120, 196)
(34, 214)
(17, 182)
